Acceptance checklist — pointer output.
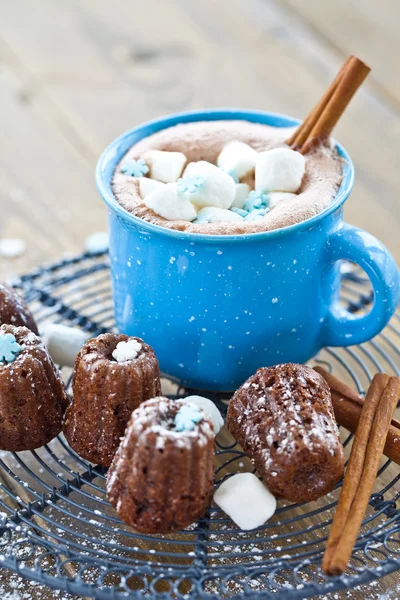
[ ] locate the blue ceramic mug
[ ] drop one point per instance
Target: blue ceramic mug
(217, 307)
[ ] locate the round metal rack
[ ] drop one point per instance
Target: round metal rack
(57, 527)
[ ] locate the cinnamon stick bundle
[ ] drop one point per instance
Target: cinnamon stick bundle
(374, 422)
(319, 124)
(347, 406)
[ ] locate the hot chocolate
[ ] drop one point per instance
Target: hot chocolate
(211, 198)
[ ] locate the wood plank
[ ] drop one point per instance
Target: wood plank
(45, 182)
(366, 28)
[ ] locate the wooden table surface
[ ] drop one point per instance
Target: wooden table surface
(76, 74)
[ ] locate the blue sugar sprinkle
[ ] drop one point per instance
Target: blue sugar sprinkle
(255, 200)
(190, 184)
(239, 211)
(187, 417)
(135, 168)
(9, 348)
(256, 214)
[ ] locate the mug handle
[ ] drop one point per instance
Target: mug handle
(342, 328)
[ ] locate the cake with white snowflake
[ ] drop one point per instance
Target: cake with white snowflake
(114, 373)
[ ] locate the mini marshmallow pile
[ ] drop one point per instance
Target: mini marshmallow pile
(207, 193)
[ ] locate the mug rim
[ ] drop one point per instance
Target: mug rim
(113, 153)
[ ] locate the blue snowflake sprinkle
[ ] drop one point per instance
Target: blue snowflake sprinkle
(135, 168)
(255, 214)
(190, 184)
(255, 200)
(239, 211)
(9, 348)
(187, 417)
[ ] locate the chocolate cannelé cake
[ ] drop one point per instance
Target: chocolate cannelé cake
(14, 311)
(283, 418)
(113, 374)
(162, 476)
(32, 395)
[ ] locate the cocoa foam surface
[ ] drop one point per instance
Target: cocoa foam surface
(204, 140)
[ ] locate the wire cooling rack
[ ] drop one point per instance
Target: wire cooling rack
(56, 526)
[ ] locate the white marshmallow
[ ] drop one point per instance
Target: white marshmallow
(63, 343)
(171, 205)
(237, 158)
(12, 247)
(165, 166)
(210, 409)
(97, 242)
(218, 188)
(212, 214)
(146, 186)
(273, 198)
(279, 170)
(242, 192)
(246, 500)
(126, 350)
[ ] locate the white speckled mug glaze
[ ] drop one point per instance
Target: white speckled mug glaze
(215, 308)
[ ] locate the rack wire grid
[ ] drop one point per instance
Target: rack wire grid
(56, 526)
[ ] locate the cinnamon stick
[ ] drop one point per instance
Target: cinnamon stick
(347, 406)
(304, 129)
(353, 76)
(324, 116)
(366, 452)
(354, 467)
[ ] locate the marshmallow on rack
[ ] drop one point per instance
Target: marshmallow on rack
(165, 166)
(147, 185)
(237, 158)
(246, 500)
(171, 205)
(209, 408)
(97, 242)
(63, 343)
(212, 214)
(279, 170)
(216, 188)
(242, 192)
(274, 198)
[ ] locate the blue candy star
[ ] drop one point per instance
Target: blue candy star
(255, 214)
(135, 168)
(255, 200)
(9, 348)
(187, 417)
(190, 184)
